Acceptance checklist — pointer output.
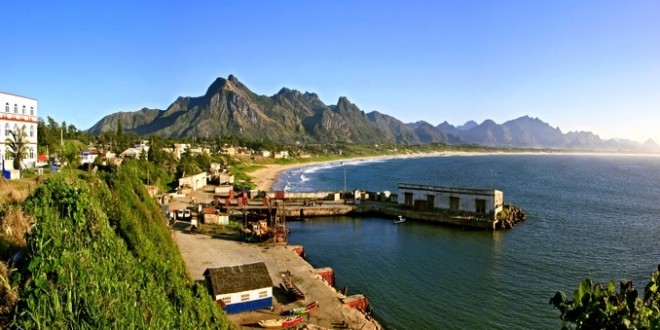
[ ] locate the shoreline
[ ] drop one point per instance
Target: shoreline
(204, 251)
(265, 177)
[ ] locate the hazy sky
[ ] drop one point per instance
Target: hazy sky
(578, 65)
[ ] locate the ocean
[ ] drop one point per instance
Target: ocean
(595, 216)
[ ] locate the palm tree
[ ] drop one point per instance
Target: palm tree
(17, 147)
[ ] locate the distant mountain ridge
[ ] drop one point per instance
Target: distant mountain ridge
(229, 108)
(527, 132)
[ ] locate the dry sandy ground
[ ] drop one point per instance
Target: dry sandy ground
(201, 252)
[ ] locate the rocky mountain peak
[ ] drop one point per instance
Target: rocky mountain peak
(468, 125)
(232, 109)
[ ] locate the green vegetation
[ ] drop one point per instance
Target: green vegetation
(17, 147)
(51, 134)
(101, 256)
(598, 307)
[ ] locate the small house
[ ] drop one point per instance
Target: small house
(241, 288)
(194, 182)
(212, 216)
(134, 152)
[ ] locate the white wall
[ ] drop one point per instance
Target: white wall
(21, 111)
(254, 295)
(195, 182)
(441, 195)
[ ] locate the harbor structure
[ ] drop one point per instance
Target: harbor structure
(241, 288)
(482, 202)
(193, 182)
(18, 112)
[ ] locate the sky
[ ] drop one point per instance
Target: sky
(577, 65)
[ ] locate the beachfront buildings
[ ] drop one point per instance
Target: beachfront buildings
(424, 197)
(18, 112)
(241, 288)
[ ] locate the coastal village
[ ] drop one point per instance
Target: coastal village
(253, 273)
(330, 165)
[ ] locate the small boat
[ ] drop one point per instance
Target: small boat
(302, 310)
(281, 323)
(291, 290)
(400, 219)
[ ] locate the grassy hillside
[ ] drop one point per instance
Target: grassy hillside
(100, 256)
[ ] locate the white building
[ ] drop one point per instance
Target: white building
(241, 288)
(481, 201)
(194, 182)
(15, 112)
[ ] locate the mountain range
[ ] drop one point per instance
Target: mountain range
(229, 108)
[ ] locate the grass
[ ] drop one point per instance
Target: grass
(101, 256)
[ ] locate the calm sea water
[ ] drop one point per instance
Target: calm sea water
(589, 216)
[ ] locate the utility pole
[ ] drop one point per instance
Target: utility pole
(344, 193)
(344, 178)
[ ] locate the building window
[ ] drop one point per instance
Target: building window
(31, 111)
(23, 109)
(263, 294)
(31, 131)
(31, 153)
(408, 198)
(480, 205)
(226, 300)
(245, 297)
(15, 108)
(6, 107)
(7, 129)
(454, 203)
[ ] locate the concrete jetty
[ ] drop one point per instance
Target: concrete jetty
(203, 251)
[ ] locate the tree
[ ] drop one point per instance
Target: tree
(71, 153)
(17, 147)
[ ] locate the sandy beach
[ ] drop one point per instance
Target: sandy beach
(265, 177)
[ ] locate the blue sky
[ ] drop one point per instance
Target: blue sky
(578, 65)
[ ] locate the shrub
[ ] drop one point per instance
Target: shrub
(601, 307)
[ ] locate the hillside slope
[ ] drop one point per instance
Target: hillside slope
(101, 256)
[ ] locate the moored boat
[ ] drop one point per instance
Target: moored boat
(400, 219)
(291, 290)
(302, 310)
(281, 323)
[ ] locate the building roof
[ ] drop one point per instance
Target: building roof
(210, 210)
(240, 278)
(12, 94)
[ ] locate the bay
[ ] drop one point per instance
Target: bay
(595, 216)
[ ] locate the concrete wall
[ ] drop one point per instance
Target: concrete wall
(195, 182)
(442, 195)
(254, 301)
(308, 195)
